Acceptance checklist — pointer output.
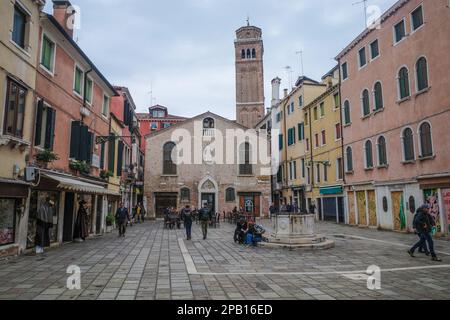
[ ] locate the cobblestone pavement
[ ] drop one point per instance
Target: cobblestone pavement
(152, 263)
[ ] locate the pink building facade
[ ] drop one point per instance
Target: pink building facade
(396, 117)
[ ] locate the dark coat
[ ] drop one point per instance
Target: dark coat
(186, 216)
(122, 215)
(81, 229)
(205, 214)
(423, 222)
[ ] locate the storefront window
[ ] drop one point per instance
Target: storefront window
(7, 221)
(37, 199)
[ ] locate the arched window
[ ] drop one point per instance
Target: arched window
(347, 118)
(230, 195)
(412, 204)
(422, 74)
(368, 154)
(378, 94)
(245, 167)
(382, 153)
(185, 194)
(426, 144)
(403, 83)
(208, 123)
(254, 53)
(249, 54)
(365, 102)
(349, 156)
(408, 144)
(243, 54)
(169, 167)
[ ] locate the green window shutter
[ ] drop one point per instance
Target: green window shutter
(120, 159)
(89, 147)
(280, 141)
(84, 136)
(75, 139)
(111, 153)
(38, 133)
(47, 52)
(102, 156)
(50, 129)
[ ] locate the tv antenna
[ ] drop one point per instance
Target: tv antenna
(152, 98)
(300, 54)
(365, 10)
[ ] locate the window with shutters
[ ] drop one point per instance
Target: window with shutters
(89, 90)
(316, 117)
(339, 169)
(245, 166)
(349, 158)
(14, 109)
(105, 105)
(301, 131)
(347, 118)
(48, 54)
(344, 68)
(365, 102)
(374, 49)
(417, 19)
(403, 83)
(78, 81)
(45, 126)
(362, 57)
(81, 142)
(426, 142)
(300, 102)
(378, 96)
(230, 195)
(421, 74)
(322, 109)
(120, 157)
(337, 102)
(280, 141)
(338, 131)
(291, 136)
(318, 174)
(382, 151)
(399, 32)
(112, 153)
(317, 140)
(280, 174)
(169, 166)
(408, 145)
(20, 31)
(368, 155)
(324, 138)
(303, 168)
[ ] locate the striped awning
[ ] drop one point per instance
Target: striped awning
(71, 184)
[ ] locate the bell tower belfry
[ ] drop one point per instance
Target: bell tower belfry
(249, 76)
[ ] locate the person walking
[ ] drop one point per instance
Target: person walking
(205, 218)
(424, 225)
(143, 212)
(81, 231)
(138, 212)
(44, 223)
(186, 217)
(122, 216)
(423, 248)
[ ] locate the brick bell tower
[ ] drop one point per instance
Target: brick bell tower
(249, 76)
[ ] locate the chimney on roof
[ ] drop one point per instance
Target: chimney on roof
(276, 91)
(286, 92)
(64, 13)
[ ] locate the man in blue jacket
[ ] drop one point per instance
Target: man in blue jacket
(122, 216)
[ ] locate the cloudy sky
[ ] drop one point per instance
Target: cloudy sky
(185, 48)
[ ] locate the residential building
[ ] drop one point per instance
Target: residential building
(70, 116)
(396, 111)
(324, 155)
(19, 48)
(156, 119)
(294, 141)
(130, 165)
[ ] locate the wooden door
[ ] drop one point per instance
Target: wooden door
(351, 208)
(257, 212)
(372, 209)
(361, 202)
(397, 198)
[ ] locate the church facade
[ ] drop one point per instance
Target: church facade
(207, 159)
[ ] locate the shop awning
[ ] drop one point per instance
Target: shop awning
(331, 190)
(71, 184)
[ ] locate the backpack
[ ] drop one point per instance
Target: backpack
(416, 221)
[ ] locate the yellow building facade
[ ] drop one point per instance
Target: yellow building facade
(324, 154)
(19, 53)
(292, 176)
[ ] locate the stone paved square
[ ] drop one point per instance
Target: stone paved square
(154, 263)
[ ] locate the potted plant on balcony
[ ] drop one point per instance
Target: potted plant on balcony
(81, 167)
(46, 156)
(105, 174)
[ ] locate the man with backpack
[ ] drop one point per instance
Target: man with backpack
(423, 223)
(205, 217)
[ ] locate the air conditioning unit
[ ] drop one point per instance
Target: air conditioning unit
(31, 174)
